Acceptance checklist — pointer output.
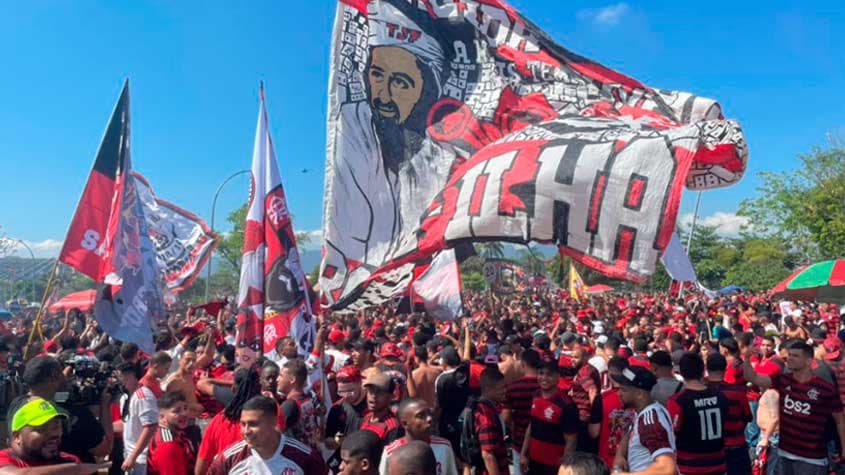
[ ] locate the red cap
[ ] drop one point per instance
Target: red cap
(336, 336)
(390, 349)
(832, 347)
(349, 374)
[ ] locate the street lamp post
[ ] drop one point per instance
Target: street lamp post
(32, 277)
(213, 207)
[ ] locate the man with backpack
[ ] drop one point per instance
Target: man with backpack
(483, 445)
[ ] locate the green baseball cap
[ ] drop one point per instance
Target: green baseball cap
(36, 412)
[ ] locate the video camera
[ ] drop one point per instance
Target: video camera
(88, 379)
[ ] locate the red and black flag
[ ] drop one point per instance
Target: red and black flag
(85, 246)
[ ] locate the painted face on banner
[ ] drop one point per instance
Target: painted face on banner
(396, 83)
(248, 339)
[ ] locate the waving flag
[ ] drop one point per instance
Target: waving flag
(183, 241)
(439, 287)
(462, 121)
(86, 248)
(272, 297)
(677, 262)
(109, 240)
(577, 289)
(129, 304)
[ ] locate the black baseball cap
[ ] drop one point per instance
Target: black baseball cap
(637, 377)
(661, 359)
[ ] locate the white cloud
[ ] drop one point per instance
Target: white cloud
(315, 240)
(47, 248)
(726, 224)
(610, 15)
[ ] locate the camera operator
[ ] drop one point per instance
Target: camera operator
(85, 437)
(10, 388)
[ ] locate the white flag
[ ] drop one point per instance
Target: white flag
(439, 287)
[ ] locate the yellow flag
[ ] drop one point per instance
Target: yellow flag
(577, 289)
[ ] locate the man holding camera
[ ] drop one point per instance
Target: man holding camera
(86, 437)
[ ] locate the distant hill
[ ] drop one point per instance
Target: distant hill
(24, 268)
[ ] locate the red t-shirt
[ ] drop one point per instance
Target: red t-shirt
(7, 458)
(616, 421)
(220, 433)
(171, 453)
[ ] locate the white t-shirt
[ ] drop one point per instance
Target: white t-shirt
(441, 447)
(651, 436)
(143, 411)
(255, 465)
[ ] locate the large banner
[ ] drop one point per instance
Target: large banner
(455, 121)
(272, 297)
(183, 241)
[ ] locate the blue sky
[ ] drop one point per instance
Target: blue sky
(194, 69)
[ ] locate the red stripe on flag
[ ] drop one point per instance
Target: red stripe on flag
(635, 193)
(477, 195)
(624, 247)
(360, 5)
(606, 76)
(595, 203)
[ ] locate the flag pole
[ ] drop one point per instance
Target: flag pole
(40, 313)
(691, 231)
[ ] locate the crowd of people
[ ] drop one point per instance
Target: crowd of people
(532, 382)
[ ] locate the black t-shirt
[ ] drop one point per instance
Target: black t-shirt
(585, 443)
(345, 418)
(452, 389)
(84, 432)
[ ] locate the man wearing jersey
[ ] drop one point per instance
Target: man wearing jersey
(739, 414)
(139, 412)
(416, 417)
(616, 418)
(300, 409)
(379, 418)
(264, 449)
(649, 447)
(171, 452)
(807, 401)
(699, 414)
(553, 430)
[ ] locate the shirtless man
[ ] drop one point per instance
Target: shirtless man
(182, 380)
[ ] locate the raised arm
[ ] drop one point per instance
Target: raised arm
(752, 376)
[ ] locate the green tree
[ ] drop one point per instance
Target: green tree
(474, 281)
(756, 275)
(490, 250)
(230, 247)
(530, 260)
(804, 207)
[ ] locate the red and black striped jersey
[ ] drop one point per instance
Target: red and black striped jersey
(698, 418)
(387, 430)
(804, 410)
(739, 412)
(551, 420)
(518, 397)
